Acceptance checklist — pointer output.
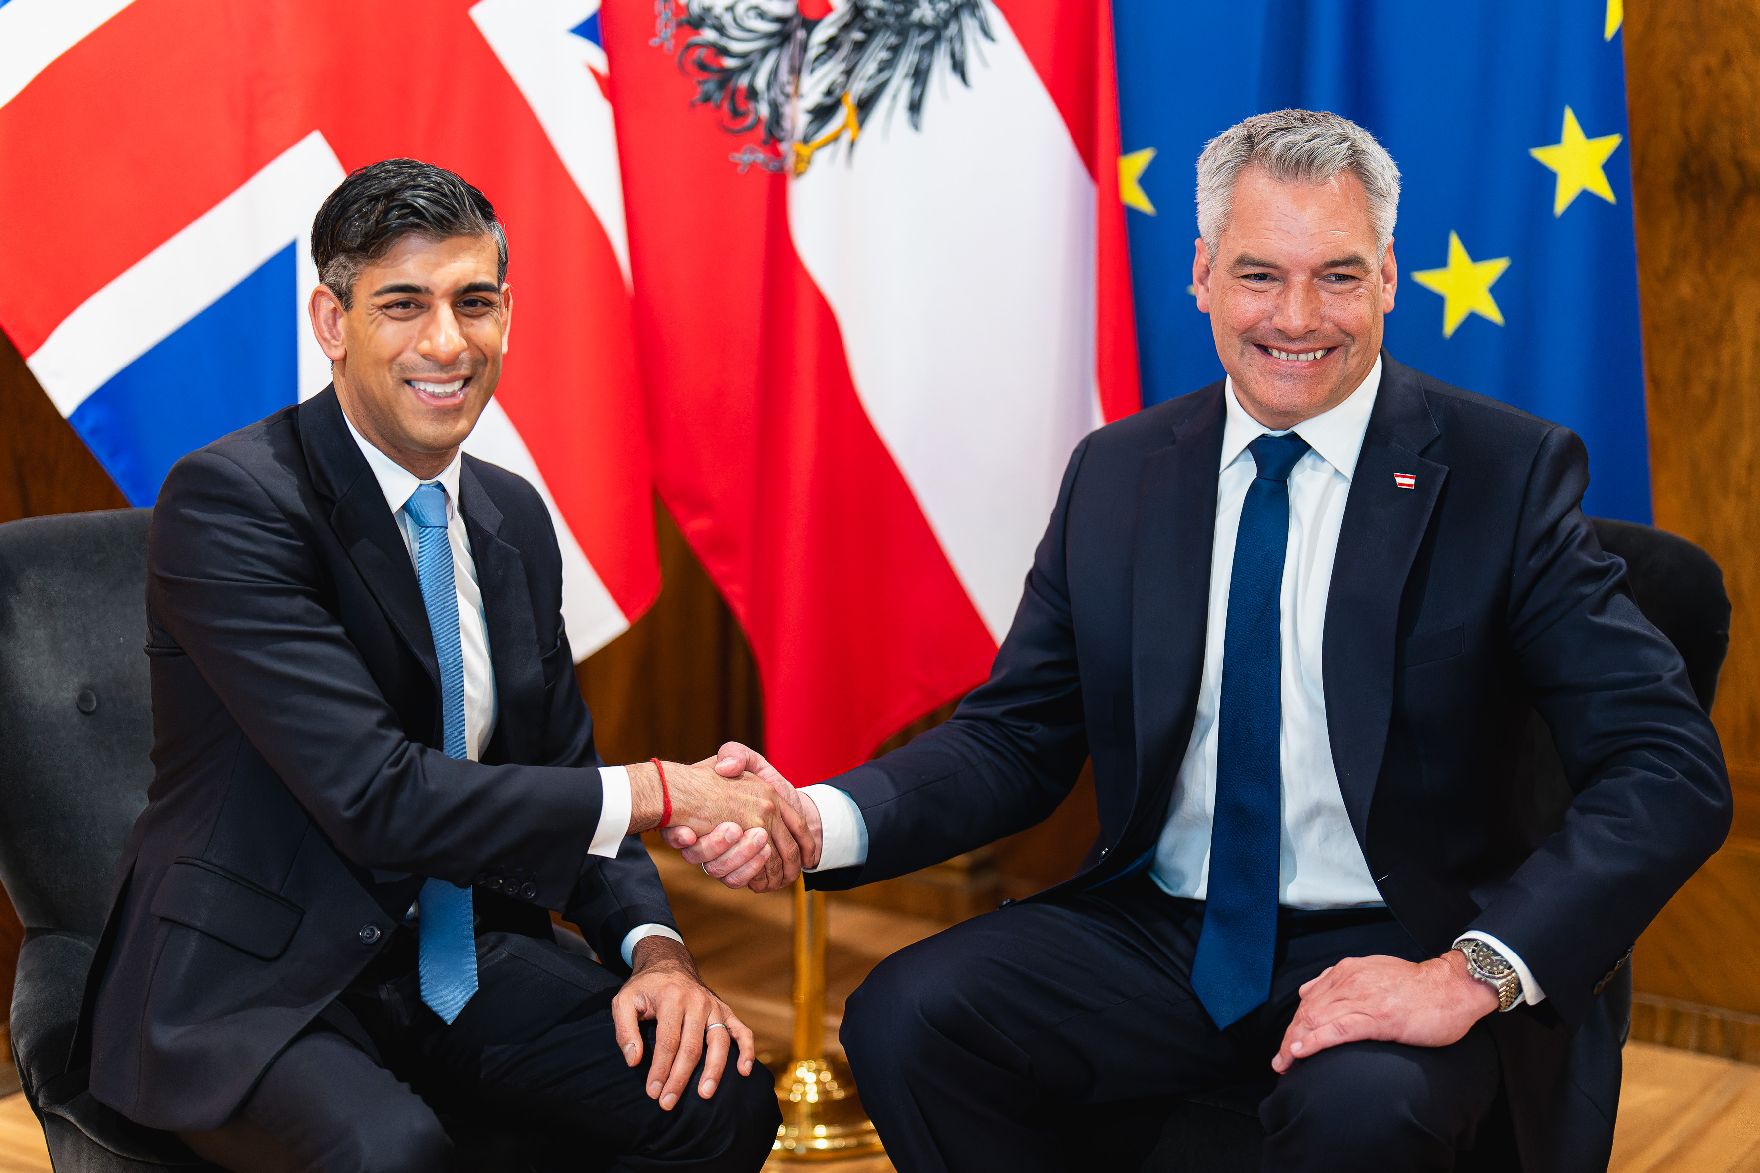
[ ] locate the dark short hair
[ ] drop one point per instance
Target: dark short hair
(381, 203)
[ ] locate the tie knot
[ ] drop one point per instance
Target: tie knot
(427, 505)
(1276, 455)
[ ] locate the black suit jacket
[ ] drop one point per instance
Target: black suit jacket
(1455, 605)
(300, 794)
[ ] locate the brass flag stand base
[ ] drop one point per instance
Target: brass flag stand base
(821, 1115)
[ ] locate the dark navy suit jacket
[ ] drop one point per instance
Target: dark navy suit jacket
(299, 794)
(1455, 607)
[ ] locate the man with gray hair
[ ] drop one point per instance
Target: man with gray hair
(1296, 619)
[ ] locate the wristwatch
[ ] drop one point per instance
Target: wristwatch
(1491, 967)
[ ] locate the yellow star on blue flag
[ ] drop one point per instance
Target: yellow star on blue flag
(1130, 179)
(1579, 161)
(1465, 286)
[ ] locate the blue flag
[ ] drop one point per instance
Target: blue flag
(1518, 272)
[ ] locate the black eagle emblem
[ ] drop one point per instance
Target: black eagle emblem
(804, 82)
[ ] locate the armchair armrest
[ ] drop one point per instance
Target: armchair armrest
(46, 995)
(52, 969)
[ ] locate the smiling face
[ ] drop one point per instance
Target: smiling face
(1296, 294)
(417, 355)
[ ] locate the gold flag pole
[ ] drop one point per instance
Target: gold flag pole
(821, 1115)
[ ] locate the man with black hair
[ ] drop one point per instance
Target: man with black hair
(375, 776)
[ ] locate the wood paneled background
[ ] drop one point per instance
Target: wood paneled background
(683, 679)
(1693, 84)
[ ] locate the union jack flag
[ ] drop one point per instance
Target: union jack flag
(162, 160)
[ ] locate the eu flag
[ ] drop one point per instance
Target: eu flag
(1518, 272)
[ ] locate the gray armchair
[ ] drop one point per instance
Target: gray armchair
(74, 774)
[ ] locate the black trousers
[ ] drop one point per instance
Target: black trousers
(366, 1086)
(985, 1046)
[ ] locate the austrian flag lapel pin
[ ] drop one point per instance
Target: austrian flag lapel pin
(1405, 480)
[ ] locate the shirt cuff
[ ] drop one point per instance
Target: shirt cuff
(614, 803)
(1532, 994)
(636, 934)
(843, 833)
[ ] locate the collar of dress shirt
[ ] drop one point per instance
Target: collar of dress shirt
(1336, 434)
(398, 482)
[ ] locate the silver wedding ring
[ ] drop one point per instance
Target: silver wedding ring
(706, 870)
(713, 1025)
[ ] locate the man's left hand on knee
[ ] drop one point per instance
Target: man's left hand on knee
(690, 1022)
(1423, 1004)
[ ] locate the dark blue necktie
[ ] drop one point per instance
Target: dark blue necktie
(1231, 973)
(447, 951)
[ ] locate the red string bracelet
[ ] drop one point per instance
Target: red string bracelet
(665, 795)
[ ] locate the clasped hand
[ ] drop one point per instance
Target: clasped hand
(744, 854)
(735, 814)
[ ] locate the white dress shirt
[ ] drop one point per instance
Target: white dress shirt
(1321, 864)
(398, 484)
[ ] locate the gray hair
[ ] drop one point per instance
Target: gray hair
(1295, 146)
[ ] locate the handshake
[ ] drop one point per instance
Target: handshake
(733, 814)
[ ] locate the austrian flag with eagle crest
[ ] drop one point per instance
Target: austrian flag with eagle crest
(807, 76)
(877, 251)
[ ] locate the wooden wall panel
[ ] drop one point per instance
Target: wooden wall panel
(1693, 85)
(1703, 949)
(44, 466)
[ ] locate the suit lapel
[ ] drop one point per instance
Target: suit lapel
(1175, 530)
(507, 609)
(364, 525)
(1384, 524)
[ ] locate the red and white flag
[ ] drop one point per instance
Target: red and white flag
(880, 293)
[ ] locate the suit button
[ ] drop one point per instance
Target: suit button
(370, 934)
(528, 890)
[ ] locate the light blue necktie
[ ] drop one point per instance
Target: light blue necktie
(447, 959)
(1231, 972)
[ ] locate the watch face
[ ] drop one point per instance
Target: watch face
(1487, 965)
(1489, 960)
